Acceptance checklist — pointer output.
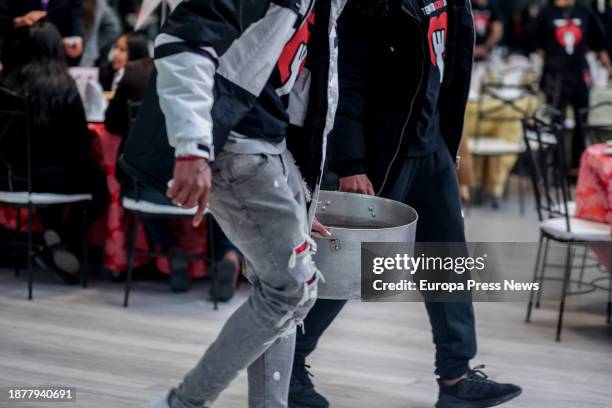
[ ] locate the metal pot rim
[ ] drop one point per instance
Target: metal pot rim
(388, 200)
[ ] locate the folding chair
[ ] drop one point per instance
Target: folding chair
(164, 209)
(546, 155)
(16, 171)
(506, 108)
(599, 123)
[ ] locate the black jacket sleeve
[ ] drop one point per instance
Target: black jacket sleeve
(347, 143)
(597, 33)
(456, 87)
(6, 20)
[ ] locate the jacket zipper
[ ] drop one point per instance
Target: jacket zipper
(418, 90)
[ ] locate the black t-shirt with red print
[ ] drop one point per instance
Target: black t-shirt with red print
(484, 17)
(566, 36)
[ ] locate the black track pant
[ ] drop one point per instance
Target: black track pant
(428, 184)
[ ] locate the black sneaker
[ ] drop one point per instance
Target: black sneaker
(180, 281)
(222, 287)
(476, 391)
(301, 390)
(65, 264)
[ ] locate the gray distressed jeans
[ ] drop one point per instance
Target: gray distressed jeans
(259, 202)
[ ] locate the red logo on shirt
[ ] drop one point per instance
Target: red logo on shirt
(482, 22)
(569, 33)
(438, 30)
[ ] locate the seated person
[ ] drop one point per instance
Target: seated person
(130, 88)
(229, 265)
(60, 152)
(165, 237)
(66, 15)
(129, 47)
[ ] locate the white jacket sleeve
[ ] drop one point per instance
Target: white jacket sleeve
(185, 84)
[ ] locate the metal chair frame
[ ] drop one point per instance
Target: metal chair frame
(15, 107)
(546, 154)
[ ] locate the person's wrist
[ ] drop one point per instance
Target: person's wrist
(188, 158)
(190, 147)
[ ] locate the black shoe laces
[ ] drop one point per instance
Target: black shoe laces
(477, 382)
(302, 375)
(478, 374)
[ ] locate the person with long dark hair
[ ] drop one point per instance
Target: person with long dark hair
(129, 47)
(60, 150)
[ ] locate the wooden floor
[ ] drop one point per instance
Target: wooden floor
(375, 355)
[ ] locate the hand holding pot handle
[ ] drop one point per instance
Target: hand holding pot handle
(320, 229)
(359, 183)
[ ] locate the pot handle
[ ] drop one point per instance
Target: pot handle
(334, 242)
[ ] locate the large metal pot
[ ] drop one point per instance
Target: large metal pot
(353, 219)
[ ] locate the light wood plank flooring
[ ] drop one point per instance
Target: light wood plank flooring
(375, 355)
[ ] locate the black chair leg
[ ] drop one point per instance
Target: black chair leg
(521, 194)
(212, 264)
(131, 255)
(566, 278)
(535, 278)
(609, 319)
(583, 266)
(17, 236)
(85, 265)
(30, 253)
(542, 273)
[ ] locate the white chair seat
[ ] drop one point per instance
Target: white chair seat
(492, 146)
(571, 208)
(148, 207)
(581, 230)
(22, 198)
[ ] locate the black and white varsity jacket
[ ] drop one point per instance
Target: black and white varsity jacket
(212, 59)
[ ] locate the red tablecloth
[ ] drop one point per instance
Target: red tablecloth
(110, 231)
(594, 189)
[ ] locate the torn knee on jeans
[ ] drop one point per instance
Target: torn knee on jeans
(303, 252)
(296, 317)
